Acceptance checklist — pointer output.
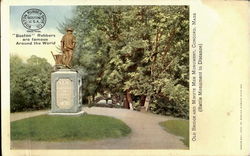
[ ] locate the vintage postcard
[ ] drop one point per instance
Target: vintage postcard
(125, 77)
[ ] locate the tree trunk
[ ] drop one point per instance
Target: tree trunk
(147, 101)
(129, 100)
(125, 101)
(142, 100)
(93, 98)
(90, 102)
(121, 99)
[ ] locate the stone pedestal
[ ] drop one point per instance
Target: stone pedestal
(66, 92)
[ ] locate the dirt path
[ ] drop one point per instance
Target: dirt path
(146, 133)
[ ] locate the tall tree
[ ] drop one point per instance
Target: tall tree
(135, 51)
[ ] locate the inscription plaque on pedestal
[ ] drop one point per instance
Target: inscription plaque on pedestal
(66, 91)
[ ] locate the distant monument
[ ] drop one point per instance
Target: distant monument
(66, 83)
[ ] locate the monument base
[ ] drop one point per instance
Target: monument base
(66, 92)
(68, 114)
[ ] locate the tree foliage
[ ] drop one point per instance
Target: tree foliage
(136, 51)
(29, 83)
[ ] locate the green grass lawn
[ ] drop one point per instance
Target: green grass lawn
(68, 128)
(179, 128)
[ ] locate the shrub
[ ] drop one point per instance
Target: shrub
(174, 101)
(29, 84)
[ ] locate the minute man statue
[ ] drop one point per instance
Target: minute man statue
(68, 43)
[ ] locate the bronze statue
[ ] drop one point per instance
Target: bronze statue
(68, 43)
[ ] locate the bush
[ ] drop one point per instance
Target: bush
(29, 84)
(173, 102)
